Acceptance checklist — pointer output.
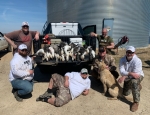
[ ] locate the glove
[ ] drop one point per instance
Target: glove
(1, 34)
(47, 39)
(113, 68)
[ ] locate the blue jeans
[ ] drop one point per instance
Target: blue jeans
(22, 86)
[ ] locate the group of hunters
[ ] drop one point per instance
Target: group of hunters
(62, 89)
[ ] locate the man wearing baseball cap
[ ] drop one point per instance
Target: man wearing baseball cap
(109, 60)
(24, 36)
(68, 87)
(130, 67)
(21, 73)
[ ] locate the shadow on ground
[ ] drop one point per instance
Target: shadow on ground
(98, 86)
(2, 53)
(148, 63)
(24, 96)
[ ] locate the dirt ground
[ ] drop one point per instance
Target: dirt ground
(93, 104)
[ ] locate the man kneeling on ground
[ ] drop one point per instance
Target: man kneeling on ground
(21, 73)
(68, 87)
(108, 60)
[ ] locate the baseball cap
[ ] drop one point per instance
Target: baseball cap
(22, 46)
(131, 48)
(84, 70)
(25, 24)
(102, 49)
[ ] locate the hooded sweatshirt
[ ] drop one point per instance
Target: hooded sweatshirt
(20, 67)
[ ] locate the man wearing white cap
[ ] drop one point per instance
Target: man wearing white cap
(21, 73)
(68, 87)
(22, 36)
(131, 71)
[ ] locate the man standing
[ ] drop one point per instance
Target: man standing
(108, 60)
(22, 36)
(131, 71)
(21, 73)
(104, 40)
(68, 87)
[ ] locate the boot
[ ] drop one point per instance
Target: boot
(134, 106)
(46, 94)
(18, 98)
(44, 99)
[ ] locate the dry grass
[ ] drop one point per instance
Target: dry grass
(142, 53)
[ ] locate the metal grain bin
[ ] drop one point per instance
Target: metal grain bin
(131, 17)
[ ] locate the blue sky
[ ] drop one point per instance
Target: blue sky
(14, 12)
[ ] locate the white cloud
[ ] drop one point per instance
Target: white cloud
(4, 14)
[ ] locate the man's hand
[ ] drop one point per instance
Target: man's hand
(1, 34)
(93, 34)
(31, 72)
(33, 57)
(121, 79)
(85, 92)
(66, 83)
(37, 36)
(107, 67)
(9, 41)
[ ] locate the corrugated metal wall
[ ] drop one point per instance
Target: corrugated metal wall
(131, 17)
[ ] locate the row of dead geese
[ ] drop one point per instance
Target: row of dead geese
(65, 52)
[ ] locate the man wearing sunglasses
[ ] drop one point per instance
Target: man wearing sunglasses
(132, 74)
(68, 87)
(21, 73)
(108, 60)
(22, 36)
(104, 40)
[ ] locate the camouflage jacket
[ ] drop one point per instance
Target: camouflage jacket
(105, 42)
(108, 60)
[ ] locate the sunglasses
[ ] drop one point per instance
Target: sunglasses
(85, 73)
(25, 26)
(24, 50)
(129, 52)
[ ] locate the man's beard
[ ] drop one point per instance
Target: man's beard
(23, 55)
(129, 58)
(26, 32)
(104, 36)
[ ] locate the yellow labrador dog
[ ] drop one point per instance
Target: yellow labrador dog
(108, 80)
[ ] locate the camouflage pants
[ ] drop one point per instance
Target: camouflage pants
(132, 85)
(63, 95)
